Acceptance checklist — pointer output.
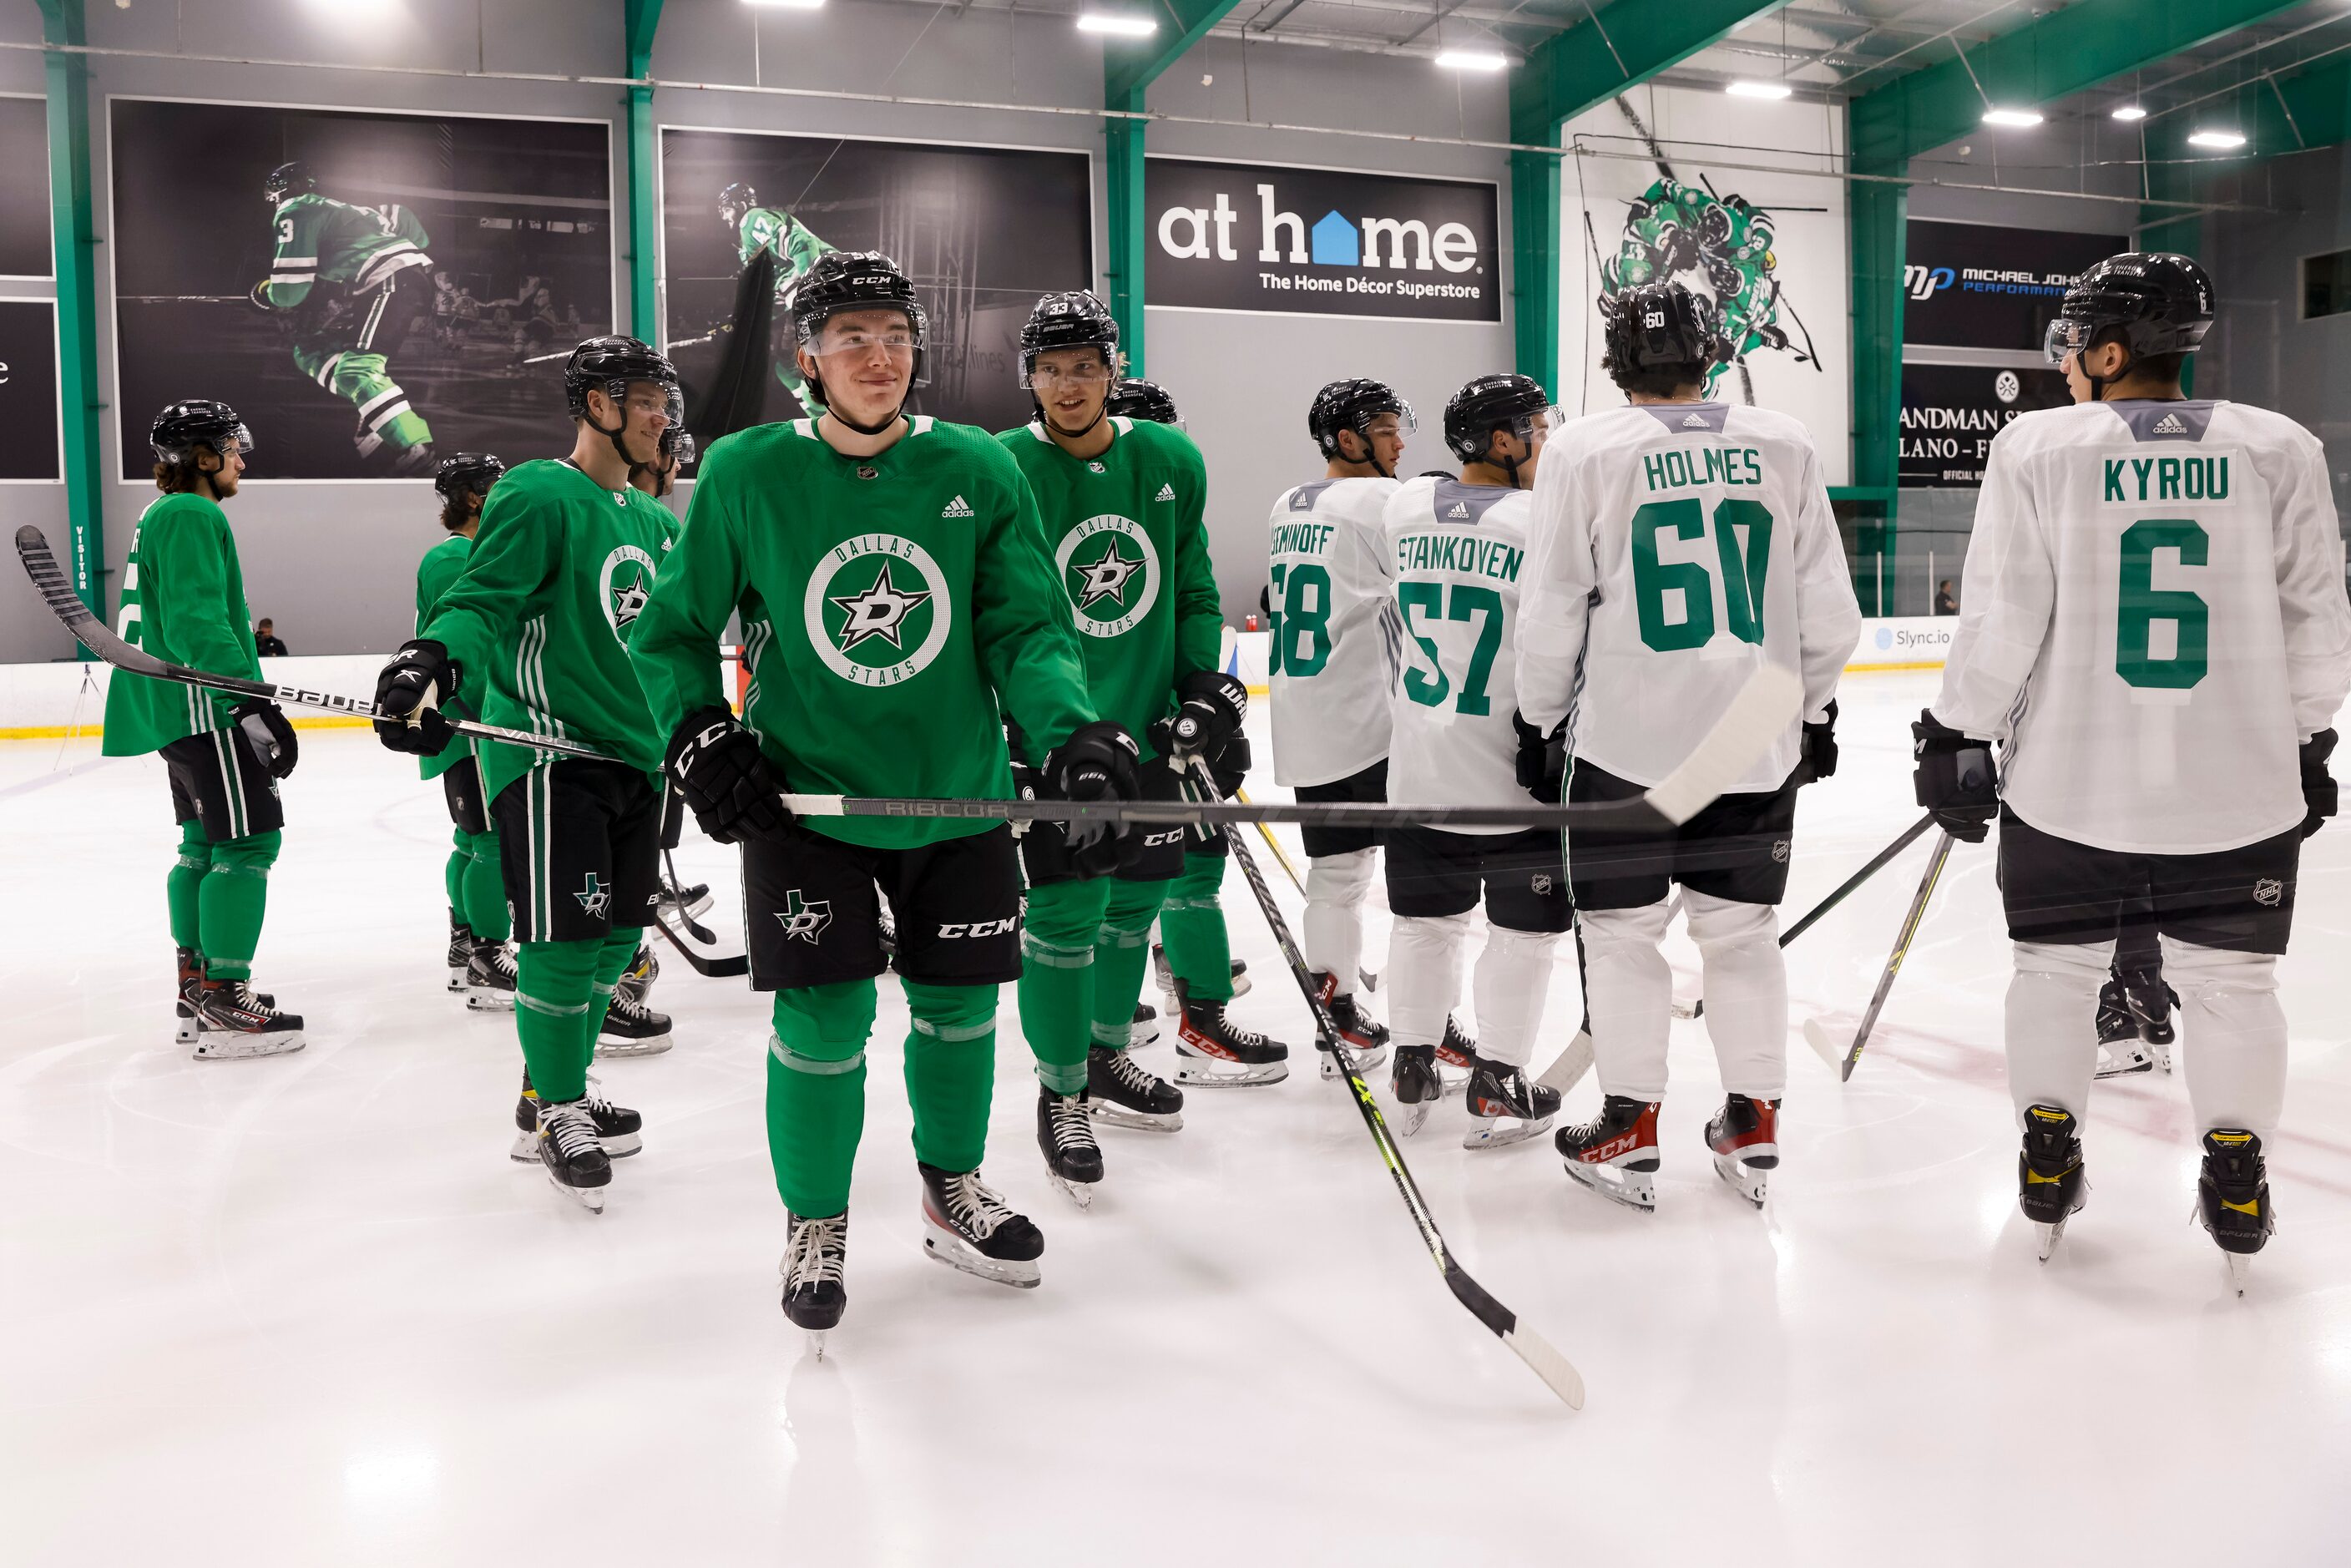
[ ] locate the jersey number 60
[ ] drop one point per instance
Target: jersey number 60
(1743, 572)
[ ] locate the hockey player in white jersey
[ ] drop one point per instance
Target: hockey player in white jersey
(1677, 545)
(1458, 547)
(2156, 628)
(1331, 666)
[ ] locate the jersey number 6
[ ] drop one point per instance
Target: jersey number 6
(2139, 604)
(1743, 572)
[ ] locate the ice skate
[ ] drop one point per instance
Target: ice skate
(637, 980)
(618, 1130)
(2232, 1199)
(687, 901)
(490, 977)
(1166, 976)
(1065, 1134)
(571, 1154)
(460, 953)
(1413, 1081)
(816, 1258)
(183, 1008)
(1122, 1093)
(630, 1027)
(2121, 1052)
(235, 1020)
(1211, 1050)
(1356, 1027)
(1615, 1153)
(889, 935)
(1457, 1055)
(1143, 1028)
(1507, 1108)
(965, 1226)
(2152, 1003)
(1745, 1138)
(2049, 1178)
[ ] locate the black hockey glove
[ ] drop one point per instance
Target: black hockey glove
(2317, 783)
(1230, 770)
(719, 767)
(1213, 707)
(1099, 761)
(1542, 760)
(1819, 759)
(402, 692)
(264, 723)
(1955, 778)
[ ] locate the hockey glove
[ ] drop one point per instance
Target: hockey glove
(1099, 761)
(2317, 783)
(259, 298)
(1542, 760)
(1230, 770)
(1028, 784)
(1955, 778)
(1213, 707)
(264, 723)
(719, 767)
(420, 674)
(1819, 757)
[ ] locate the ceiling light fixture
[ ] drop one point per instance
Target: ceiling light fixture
(1116, 26)
(1751, 89)
(787, 5)
(1472, 60)
(2223, 141)
(2017, 118)
(2130, 111)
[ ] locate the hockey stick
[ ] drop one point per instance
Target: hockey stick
(50, 582)
(1366, 978)
(1531, 1347)
(1909, 835)
(716, 969)
(1567, 1070)
(1816, 1034)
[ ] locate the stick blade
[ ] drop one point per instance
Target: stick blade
(1759, 715)
(1816, 1035)
(1567, 1070)
(1553, 1368)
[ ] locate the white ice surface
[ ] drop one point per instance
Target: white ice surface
(305, 1311)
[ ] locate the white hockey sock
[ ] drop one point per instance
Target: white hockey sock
(1746, 991)
(1424, 976)
(2232, 1035)
(1336, 886)
(1511, 983)
(2053, 1029)
(1629, 990)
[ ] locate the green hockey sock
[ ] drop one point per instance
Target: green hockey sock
(484, 890)
(816, 1092)
(554, 981)
(951, 1072)
(182, 888)
(611, 958)
(1121, 949)
(1057, 970)
(453, 874)
(229, 904)
(1192, 925)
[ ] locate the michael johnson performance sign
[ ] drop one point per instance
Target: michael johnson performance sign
(1319, 242)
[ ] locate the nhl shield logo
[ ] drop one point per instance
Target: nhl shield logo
(1541, 884)
(1779, 851)
(2269, 892)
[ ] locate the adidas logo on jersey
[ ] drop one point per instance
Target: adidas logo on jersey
(958, 507)
(1166, 492)
(1460, 509)
(2169, 424)
(1694, 421)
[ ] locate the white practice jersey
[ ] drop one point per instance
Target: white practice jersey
(1457, 552)
(2153, 619)
(1677, 547)
(1332, 657)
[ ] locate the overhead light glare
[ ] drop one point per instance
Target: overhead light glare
(2130, 111)
(1472, 60)
(2019, 119)
(1748, 89)
(2221, 140)
(1116, 26)
(787, 5)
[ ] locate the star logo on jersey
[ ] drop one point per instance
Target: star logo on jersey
(594, 897)
(624, 585)
(1111, 569)
(877, 609)
(628, 602)
(880, 611)
(1106, 576)
(804, 920)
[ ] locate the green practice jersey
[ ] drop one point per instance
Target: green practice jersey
(795, 246)
(443, 565)
(541, 617)
(1125, 536)
(888, 603)
(325, 241)
(183, 602)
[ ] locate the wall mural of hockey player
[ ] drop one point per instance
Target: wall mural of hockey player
(796, 247)
(1720, 247)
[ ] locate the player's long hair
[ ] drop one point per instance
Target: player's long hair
(455, 512)
(177, 478)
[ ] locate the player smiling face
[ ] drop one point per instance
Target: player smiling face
(645, 414)
(866, 359)
(1071, 386)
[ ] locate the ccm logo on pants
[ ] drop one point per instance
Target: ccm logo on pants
(1003, 927)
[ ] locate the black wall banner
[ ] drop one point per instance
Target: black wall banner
(1950, 413)
(1974, 285)
(28, 390)
(25, 188)
(1319, 242)
(982, 231)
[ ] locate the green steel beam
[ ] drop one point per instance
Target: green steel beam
(73, 242)
(1875, 215)
(644, 17)
(1535, 213)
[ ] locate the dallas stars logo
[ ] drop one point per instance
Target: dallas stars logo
(593, 896)
(1110, 571)
(1106, 576)
(628, 602)
(804, 920)
(880, 611)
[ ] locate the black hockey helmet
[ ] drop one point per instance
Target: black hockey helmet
(1660, 326)
(289, 179)
(735, 201)
(612, 363)
(1073, 320)
(1353, 404)
(1139, 399)
(194, 422)
(2160, 302)
(1513, 402)
(842, 280)
(467, 471)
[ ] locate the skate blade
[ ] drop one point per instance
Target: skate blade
(1143, 1034)
(1081, 1193)
(526, 1149)
(590, 1198)
(816, 1343)
(1634, 1189)
(184, 1032)
(2241, 1270)
(653, 1045)
(951, 1251)
(1744, 1179)
(1203, 1072)
(619, 1145)
(1109, 1115)
(458, 984)
(2050, 1235)
(1411, 1118)
(2124, 1066)
(1501, 1132)
(1362, 1061)
(484, 1001)
(217, 1045)
(1682, 1009)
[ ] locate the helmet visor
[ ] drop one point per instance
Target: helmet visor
(2067, 335)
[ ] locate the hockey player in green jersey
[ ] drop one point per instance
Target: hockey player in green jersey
(349, 281)
(536, 634)
(480, 964)
(1121, 505)
(796, 246)
(894, 596)
(183, 601)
